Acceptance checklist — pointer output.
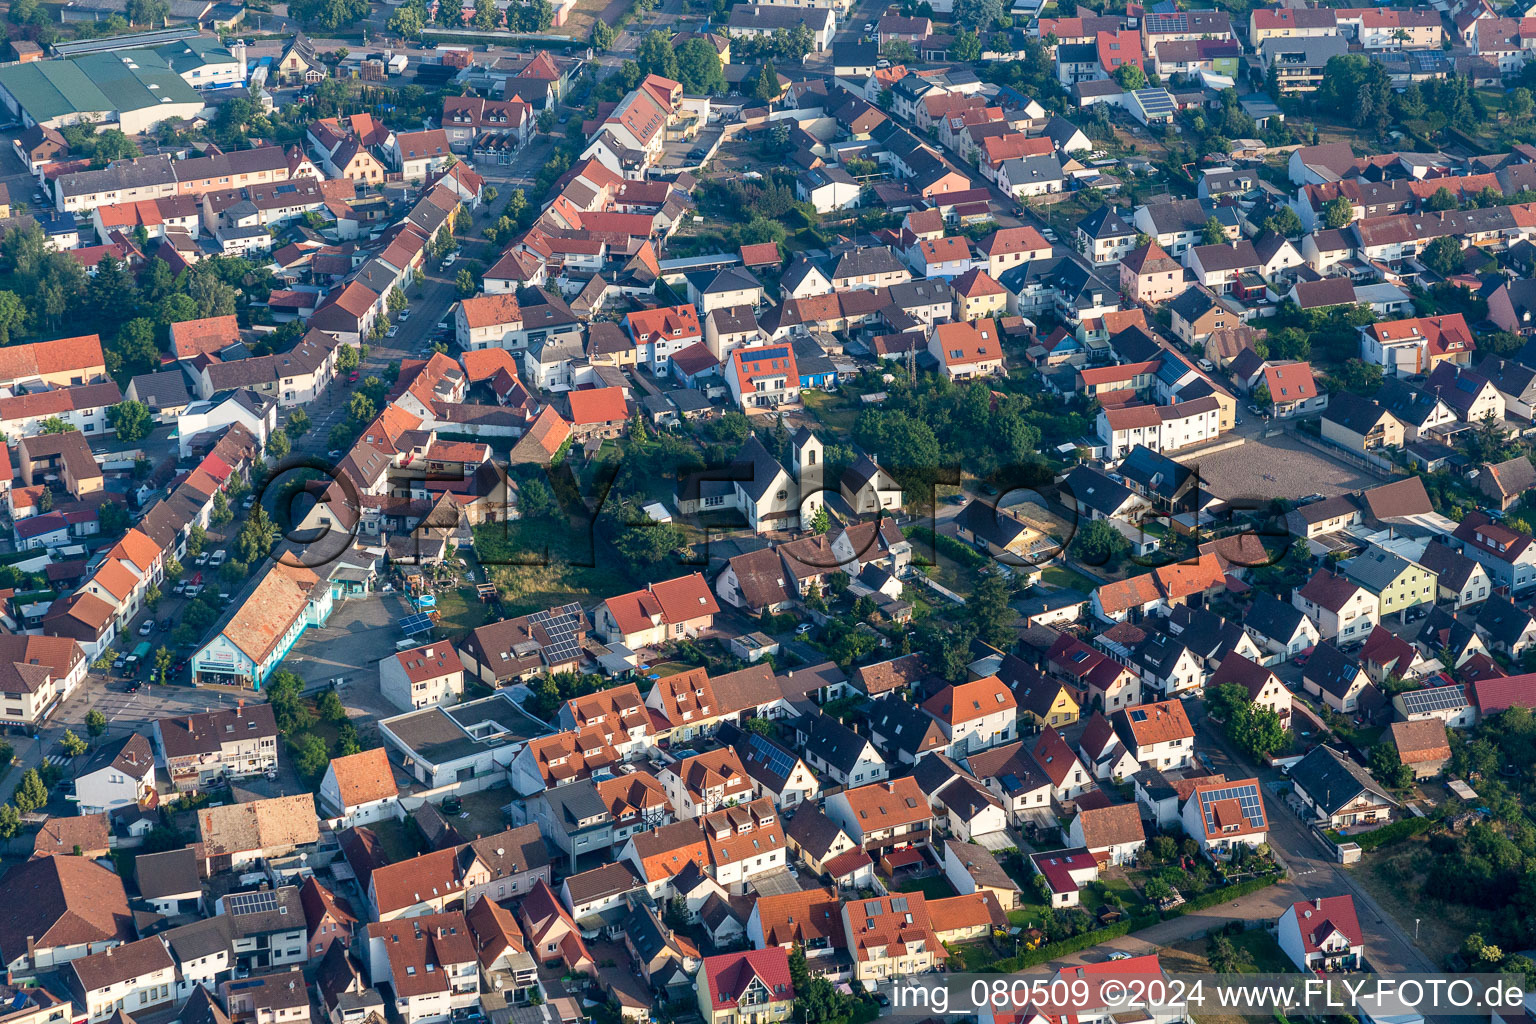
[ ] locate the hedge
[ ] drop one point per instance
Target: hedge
(1399, 829)
(1088, 939)
(961, 553)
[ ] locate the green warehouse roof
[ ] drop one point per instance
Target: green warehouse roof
(95, 83)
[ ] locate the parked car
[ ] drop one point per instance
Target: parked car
(219, 558)
(405, 314)
(147, 628)
(201, 559)
(392, 332)
(804, 628)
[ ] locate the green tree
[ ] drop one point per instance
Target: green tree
(602, 36)
(767, 87)
(1441, 199)
(13, 316)
(73, 745)
(221, 513)
(656, 56)
(1131, 78)
(1388, 768)
(967, 46)
(331, 708)
(1519, 106)
(487, 16)
(10, 820)
(699, 68)
(1443, 255)
(257, 536)
(55, 425)
(898, 51)
(1286, 221)
(278, 445)
(131, 420)
(821, 522)
(988, 611)
(1225, 956)
(1338, 212)
(465, 283)
(197, 538)
(396, 301)
(95, 723)
(1213, 233)
(1289, 343)
(1098, 543)
(348, 358)
(407, 22)
(113, 518)
(148, 12)
(31, 794)
(298, 421)
(163, 661)
(310, 756)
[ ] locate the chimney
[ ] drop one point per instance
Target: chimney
(1318, 902)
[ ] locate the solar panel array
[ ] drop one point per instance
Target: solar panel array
(1249, 804)
(772, 756)
(1156, 102)
(417, 623)
(561, 625)
(250, 902)
(1440, 698)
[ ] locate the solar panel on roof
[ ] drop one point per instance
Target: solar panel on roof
(1440, 698)
(772, 756)
(250, 902)
(417, 623)
(561, 624)
(1249, 804)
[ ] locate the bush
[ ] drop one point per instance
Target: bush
(961, 553)
(1094, 936)
(1403, 828)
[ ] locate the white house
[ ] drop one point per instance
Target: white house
(1323, 934)
(975, 715)
(1223, 815)
(118, 774)
(360, 789)
(422, 676)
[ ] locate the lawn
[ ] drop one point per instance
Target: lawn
(1393, 879)
(933, 887)
(1061, 576)
(462, 610)
(399, 839)
(535, 567)
(1262, 949)
(834, 411)
(484, 810)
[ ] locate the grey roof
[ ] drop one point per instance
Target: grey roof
(1273, 618)
(1098, 492)
(1352, 412)
(1451, 566)
(1105, 222)
(832, 741)
(1331, 670)
(1406, 402)
(1302, 51)
(1033, 168)
(169, 873)
(1502, 621)
(164, 390)
(575, 802)
(1177, 215)
(1375, 570)
(1332, 779)
(863, 262)
(812, 830)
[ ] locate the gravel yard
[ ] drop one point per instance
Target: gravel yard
(1277, 467)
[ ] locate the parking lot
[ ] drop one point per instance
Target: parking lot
(347, 651)
(1276, 467)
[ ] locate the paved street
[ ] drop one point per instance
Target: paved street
(431, 298)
